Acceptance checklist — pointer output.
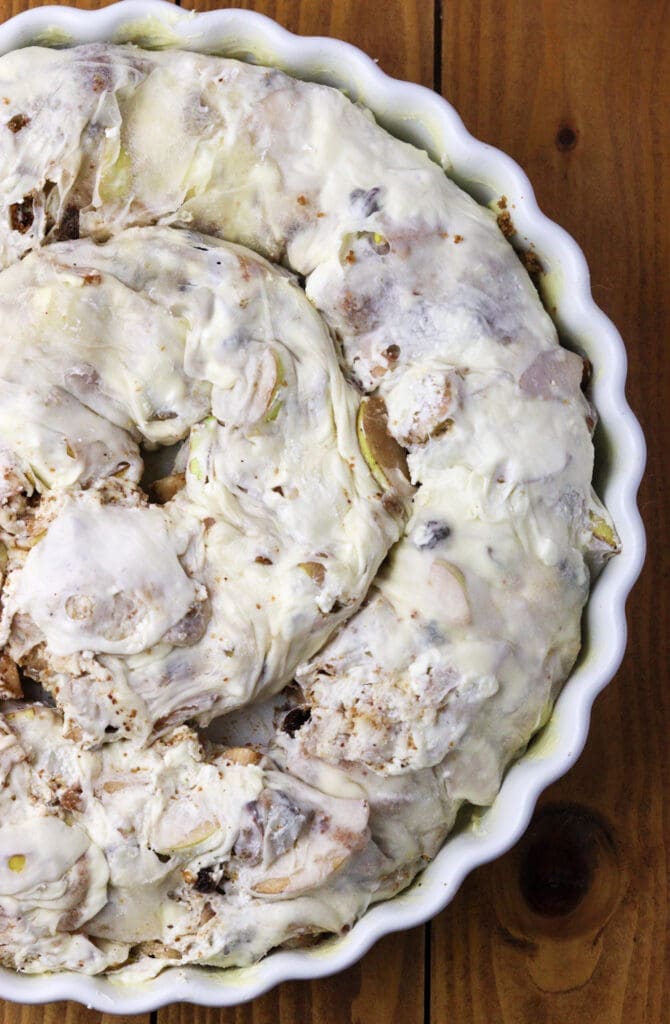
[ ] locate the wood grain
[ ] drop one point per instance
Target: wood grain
(579, 94)
(62, 1013)
(397, 33)
(572, 925)
(387, 987)
(8, 8)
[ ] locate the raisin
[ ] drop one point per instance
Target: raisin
(68, 229)
(295, 719)
(16, 123)
(21, 215)
(205, 882)
(367, 201)
(434, 533)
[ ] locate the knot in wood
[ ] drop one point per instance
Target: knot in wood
(558, 864)
(566, 138)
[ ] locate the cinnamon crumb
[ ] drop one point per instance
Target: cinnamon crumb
(531, 262)
(71, 799)
(506, 224)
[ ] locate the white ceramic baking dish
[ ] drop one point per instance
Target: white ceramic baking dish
(420, 116)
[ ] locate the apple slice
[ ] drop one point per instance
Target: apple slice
(385, 457)
(315, 570)
(174, 842)
(448, 583)
(604, 532)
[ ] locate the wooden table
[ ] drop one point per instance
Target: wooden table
(572, 926)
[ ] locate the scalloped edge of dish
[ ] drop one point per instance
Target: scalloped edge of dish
(423, 117)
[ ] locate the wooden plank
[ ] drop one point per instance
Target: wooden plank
(385, 988)
(573, 924)
(520, 75)
(8, 8)
(397, 33)
(62, 1013)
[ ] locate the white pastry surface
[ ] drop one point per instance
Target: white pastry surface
(365, 565)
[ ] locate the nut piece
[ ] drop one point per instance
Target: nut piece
(315, 570)
(156, 950)
(241, 755)
(164, 489)
(191, 628)
(10, 683)
(271, 886)
(114, 785)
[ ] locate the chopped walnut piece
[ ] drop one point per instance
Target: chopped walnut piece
(271, 886)
(242, 755)
(164, 490)
(10, 683)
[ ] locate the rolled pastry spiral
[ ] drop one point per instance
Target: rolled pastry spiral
(364, 567)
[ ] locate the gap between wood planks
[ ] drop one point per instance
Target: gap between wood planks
(437, 46)
(437, 87)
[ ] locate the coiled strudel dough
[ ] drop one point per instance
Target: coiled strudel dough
(391, 385)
